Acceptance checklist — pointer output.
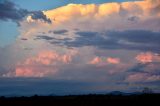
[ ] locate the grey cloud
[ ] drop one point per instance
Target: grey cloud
(145, 68)
(24, 39)
(146, 73)
(38, 15)
(44, 37)
(87, 34)
(136, 36)
(133, 19)
(63, 31)
(10, 11)
(130, 39)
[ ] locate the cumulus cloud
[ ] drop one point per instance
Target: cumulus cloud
(96, 60)
(79, 15)
(113, 60)
(127, 26)
(45, 63)
(147, 70)
(48, 58)
(33, 72)
(132, 27)
(147, 57)
(100, 60)
(9, 11)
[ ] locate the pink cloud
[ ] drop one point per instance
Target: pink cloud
(48, 58)
(95, 60)
(43, 64)
(110, 60)
(113, 60)
(66, 58)
(147, 57)
(34, 71)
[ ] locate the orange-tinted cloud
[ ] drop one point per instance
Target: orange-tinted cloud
(147, 57)
(45, 58)
(109, 60)
(66, 58)
(48, 58)
(44, 64)
(34, 71)
(97, 11)
(113, 60)
(96, 60)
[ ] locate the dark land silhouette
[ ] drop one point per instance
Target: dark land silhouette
(119, 99)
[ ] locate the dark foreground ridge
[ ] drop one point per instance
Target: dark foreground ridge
(83, 100)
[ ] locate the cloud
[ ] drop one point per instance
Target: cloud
(147, 57)
(24, 39)
(45, 63)
(112, 37)
(48, 58)
(10, 11)
(86, 34)
(32, 72)
(113, 60)
(147, 70)
(100, 61)
(142, 77)
(127, 26)
(129, 40)
(96, 60)
(45, 37)
(63, 31)
(39, 15)
(125, 15)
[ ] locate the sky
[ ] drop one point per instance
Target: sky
(64, 47)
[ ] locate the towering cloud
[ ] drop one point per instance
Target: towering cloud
(111, 40)
(125, 15)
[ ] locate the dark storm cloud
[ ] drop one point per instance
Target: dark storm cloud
(9, 11)
(129, 39)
